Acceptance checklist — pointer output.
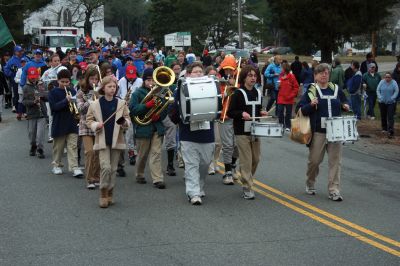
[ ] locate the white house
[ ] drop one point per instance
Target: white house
(65, 13)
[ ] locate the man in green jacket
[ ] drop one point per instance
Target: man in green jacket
(371, 80)
(337, 74)
(170, 58)
(149, 137)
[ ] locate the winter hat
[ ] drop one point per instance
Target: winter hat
(229, 62)
(148, 73)
(33, 73)
(131, 72)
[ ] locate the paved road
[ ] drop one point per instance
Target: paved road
(54, 220)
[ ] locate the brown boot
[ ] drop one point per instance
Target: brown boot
(110, 197)
(103, 198)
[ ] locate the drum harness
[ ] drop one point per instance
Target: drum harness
(248, 124)
(328, 98)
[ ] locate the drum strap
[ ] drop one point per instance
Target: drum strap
(328, 97)
(252, 103)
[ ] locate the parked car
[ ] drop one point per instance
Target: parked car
(280, 50)
(244, 53)
(317, 56)
(266, 50)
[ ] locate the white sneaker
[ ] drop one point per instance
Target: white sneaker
(287, 129)
(248, 194)
(50, 140)
(97, 183)
(77, 173)
(196, 200)
(372, 117)
(227, 179)
(91, 186)
(57, 170)
(211, 169)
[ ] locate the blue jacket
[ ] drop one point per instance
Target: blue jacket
(270, 72)
(314, 113)
(354, 83)
(139, 109)
(12, 66)
(139, 64)
(387, 92)
(32, 63)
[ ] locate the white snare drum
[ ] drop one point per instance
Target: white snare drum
(266, 129)
(200, 99)
(342, 129)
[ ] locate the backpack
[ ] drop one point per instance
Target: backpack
(351, 86)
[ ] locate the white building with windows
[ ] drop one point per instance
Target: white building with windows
(65, 13)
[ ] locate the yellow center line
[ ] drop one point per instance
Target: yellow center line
(322, 212)
(328, 223)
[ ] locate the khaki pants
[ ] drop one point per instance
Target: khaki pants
(153, 147)
(72, 150)
(108, 167)
(316, 156)
(249, 154)
(92, 165)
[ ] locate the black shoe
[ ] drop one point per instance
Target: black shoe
(141, 180)
(32, 151)
(171, 170)
(121, 172)
(132, 160)
(159, 185)
(40, 154)
(0, 118)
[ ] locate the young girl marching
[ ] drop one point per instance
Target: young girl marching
(85, 96)
(107, 117)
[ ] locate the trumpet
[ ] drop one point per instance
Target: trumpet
(163, 77)
(72, 106)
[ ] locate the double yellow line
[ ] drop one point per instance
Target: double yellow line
(320, 215)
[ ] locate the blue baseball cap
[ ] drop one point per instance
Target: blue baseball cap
(105, 49)
(136, 50)
(38, 51)
(129, 57)
(18, 48)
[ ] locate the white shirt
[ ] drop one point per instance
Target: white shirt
(124, 84)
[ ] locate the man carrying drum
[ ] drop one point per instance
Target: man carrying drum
(322, 100)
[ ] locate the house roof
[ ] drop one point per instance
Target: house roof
(113, 31)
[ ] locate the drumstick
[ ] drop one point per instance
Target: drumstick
(272, 108)
(261, 117)
(113, 114)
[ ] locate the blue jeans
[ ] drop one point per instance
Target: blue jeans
(272, 99)
(285, 116)
(371, 103)
(356, 105)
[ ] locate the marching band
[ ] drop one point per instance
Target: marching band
(112, 104)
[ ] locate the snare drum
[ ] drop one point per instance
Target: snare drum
(342, 129)
(267, 129)
(200, 99)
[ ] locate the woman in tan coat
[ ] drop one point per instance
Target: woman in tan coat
(107, 116)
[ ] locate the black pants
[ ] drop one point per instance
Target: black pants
(272, 99)
(387, 117)
(285, 114)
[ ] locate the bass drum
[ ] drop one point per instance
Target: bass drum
(200, 99)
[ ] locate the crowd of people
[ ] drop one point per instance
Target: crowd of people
(93, 97)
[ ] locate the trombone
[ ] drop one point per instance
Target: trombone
(230, 90)
(163, 77)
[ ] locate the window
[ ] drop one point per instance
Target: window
(46, 23)
(67, 18)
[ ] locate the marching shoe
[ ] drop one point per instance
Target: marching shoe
(103, 202)
(196, 200)
(77, 173)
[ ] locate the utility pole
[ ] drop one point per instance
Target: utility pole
(240, 24)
